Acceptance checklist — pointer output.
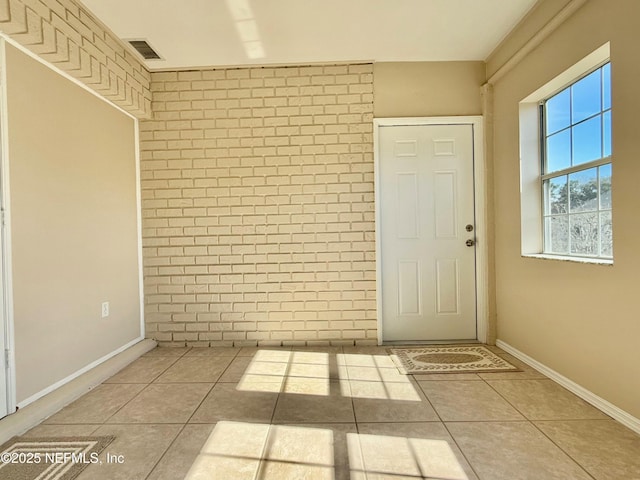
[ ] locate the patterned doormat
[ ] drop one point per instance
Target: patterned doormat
(54, 458)
(449, 359)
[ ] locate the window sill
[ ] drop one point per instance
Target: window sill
(561, 258)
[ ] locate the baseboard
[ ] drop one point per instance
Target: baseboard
(600, 403)
(34, 413)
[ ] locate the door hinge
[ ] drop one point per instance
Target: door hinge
(6, 359)
(2, 215)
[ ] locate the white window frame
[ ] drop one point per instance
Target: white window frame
(531, 173)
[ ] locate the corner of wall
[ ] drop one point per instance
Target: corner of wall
(68, 36)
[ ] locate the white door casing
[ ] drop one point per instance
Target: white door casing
(7, 357)
(425, 198)
(4, 377)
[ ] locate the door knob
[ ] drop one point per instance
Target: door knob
(470, 243)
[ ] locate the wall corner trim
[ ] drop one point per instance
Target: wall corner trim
(600, 403)
(537, 39)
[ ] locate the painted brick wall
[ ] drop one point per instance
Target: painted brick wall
(66, 35)
(258, 206)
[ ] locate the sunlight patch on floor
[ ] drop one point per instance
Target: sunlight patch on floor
(373, 457)
(269, 452)
(281, 452)
(310, 373)
(288, 372)
(376, 377)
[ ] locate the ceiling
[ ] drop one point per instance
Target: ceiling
(201, 33)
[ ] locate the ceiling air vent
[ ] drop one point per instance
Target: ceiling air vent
(144, 49)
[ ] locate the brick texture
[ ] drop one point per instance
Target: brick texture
(258, 206)
(66, 35)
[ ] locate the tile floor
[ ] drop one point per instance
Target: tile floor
(339, 413)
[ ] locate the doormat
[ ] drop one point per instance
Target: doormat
(53, 458)
(449, 359)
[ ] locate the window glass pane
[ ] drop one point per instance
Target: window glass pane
(587, 141)
(606, 234)
(586, 97)
(558, 151)
(584, 234)
(605, 186)
(556, 195)
(606, 86)
(606, 120)
(583, 191)
(557, 110)
(557, 230)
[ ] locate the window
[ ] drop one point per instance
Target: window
(575, 126)
(566, 164)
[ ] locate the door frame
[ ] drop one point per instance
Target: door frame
(480, 206)
(6, 287)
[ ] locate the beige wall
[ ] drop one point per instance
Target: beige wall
(421, 89)
(258, 206)
(73, 225)
(581, 320)
(66, 34)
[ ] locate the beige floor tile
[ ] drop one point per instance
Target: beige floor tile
(605, 448)
(195, 369)
(308, 370)
(432, 377)
(339, 432)
(409, 450)
(319, 348)
(366, 350)
(390, 402)
(179, 458)
(294, 452)
(314, 397)
(353, 359)
(159, 403)
(370, 410)
(167, 352)
(227, 402)
(212, 352)
(140, 446)
(513, 450)
(468, 401)
(368, 373)
(231, 451)
(301, 408)
(251, 351)
(306, 385)
(236, 370)
(545, 400)
(143, 370)
(97, 405)
(402, 391)
(61, 430)
(267, 368)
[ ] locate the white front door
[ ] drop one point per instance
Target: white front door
(427, 223)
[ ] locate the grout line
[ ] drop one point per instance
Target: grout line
(532, 422)
(155, 465)
(443, 423)
(582, 467)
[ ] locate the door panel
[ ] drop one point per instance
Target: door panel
(426, 199)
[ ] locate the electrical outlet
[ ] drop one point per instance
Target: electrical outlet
(105, 309)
